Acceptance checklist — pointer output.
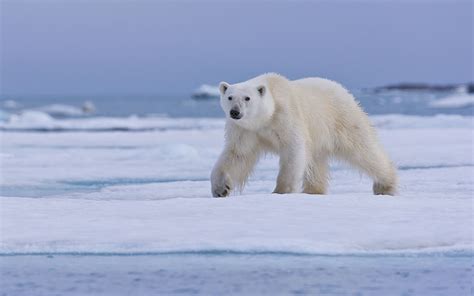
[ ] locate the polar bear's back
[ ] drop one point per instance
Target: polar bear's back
(324, 97)
(325, 90)
(323, 106)
(328, 109)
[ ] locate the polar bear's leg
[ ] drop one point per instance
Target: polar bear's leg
(370, 158)
(292, 168)
(316, 176)
(234, 167)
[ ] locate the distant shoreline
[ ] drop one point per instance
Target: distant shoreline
(406, 86)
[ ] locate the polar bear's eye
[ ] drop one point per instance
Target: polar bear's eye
(230, 98)
(247, 99)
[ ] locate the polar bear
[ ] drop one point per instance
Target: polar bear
(305, 122)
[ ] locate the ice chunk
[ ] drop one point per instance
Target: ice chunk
(455, 101)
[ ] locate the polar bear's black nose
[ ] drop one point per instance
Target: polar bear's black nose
(235, 114)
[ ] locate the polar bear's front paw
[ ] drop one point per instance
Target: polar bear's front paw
(221, 191)
(221, 186)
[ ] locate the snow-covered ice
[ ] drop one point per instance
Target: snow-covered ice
(122, 205)
(100, 190)
(299, 224)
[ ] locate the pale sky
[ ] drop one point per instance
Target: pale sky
(129, 47)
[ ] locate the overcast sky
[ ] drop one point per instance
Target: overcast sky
(127, 47)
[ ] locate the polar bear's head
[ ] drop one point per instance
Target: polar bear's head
(248, 104)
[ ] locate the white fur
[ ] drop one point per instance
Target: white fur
(305, 122)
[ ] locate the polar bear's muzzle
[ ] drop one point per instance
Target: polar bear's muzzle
(235, 114)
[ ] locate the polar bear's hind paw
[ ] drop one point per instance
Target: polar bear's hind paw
(384, 189)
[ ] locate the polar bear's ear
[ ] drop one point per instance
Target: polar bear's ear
(261, 90)
(223, 86)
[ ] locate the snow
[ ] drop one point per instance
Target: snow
(454, 101)
(95, 189)
(257, 223)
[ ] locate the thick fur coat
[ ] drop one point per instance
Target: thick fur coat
(305, 122)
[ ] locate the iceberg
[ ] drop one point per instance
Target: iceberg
(206, 91)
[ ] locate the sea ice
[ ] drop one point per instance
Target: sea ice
(90, 190)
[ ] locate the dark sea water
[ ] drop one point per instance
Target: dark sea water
(236, 274)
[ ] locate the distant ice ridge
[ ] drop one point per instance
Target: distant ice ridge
(459, 100)
(41, 121)
(55, 110)
(67, 110)
(395, 121)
